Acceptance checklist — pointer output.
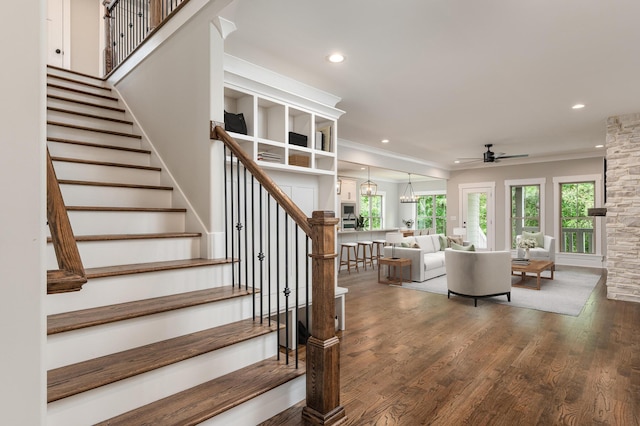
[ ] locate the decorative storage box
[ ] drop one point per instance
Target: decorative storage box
(298, 160)
(297, 139)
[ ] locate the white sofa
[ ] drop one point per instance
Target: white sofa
(547, 252)
(427, 261)
(478, 274)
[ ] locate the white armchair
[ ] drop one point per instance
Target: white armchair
(477, 274)
(547, 252)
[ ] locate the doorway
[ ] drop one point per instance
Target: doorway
(58, 43)
(477, 214)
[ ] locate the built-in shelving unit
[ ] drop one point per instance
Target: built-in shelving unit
(270, 123)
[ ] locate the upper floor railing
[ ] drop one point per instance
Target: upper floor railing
(128, 23)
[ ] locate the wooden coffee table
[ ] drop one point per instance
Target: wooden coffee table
(397, 263)
(534, 267)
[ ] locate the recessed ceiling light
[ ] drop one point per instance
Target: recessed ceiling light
(599, 146)
(363, 168)
(578, 106)
(457, 162)
(385, 141)
(336, 58)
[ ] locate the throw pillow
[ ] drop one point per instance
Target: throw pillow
(443, 242)
(455, 246)
(537, 236)
(453, 239)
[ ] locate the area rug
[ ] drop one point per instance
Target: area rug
(566, 294)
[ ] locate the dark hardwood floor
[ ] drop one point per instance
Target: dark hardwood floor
(415, 358)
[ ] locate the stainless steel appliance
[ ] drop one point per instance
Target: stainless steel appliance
(348, 216)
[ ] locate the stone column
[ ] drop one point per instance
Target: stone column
(623, 207)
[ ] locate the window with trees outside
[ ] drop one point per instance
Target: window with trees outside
(431, 212)
(371, 208)
(577, 228)
(525, 210)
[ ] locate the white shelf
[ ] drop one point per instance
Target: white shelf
(269, 122)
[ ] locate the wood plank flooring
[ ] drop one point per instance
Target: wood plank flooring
(416, 358)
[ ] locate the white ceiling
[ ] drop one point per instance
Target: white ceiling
(441, 78)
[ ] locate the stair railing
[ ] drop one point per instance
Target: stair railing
(128, 23)
(262, 228)
(71, 275)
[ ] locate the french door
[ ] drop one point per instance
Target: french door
(477, 214)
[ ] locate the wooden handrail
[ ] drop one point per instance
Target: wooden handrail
(323, 347)
(283, 199)
(71, 274)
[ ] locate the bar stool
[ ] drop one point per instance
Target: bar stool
(364, 258)
(378, 245)
(350, 247)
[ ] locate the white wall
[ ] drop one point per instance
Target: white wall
(85, 36)
(174, 93)
(22, 232)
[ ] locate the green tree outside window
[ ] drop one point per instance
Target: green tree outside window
(371, 208)
(431, 212)
(577, 233)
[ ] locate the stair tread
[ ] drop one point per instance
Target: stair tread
(125, 209)
(87, 103)
(209, 399)
(93, 129)
(87, 115)
(140, 268)
(98, 145)
(75, 320)
(82, 92)
(68, 71)
(116, 185)
(70, 380)
(84, 83)
(116, 237)
(104, 163)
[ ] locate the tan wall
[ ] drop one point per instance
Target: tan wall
(85, 36)
(499, 174)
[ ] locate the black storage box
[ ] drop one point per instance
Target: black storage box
(297, 139)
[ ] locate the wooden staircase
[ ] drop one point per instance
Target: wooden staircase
(157, 335)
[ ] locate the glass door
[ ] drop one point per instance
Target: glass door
(477, 215)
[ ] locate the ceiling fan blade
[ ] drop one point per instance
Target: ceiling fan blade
(502, 157)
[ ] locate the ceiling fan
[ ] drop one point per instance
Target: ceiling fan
(492, 157)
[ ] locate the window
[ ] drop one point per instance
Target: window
(577, 228)
(431, 212)
(525, 210)
(371, 208)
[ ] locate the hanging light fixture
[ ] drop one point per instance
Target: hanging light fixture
(409, 196)
(368, 188)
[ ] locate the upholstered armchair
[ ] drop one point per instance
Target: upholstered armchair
(546, 252)
(477, 274)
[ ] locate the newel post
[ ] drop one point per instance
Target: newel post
(155, 14)
(108, 43)
(323, 347)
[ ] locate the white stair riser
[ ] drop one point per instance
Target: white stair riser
(83, 152)
(103, 196)
(73, 106)
(79, 86)
(108, 174)
(127, 288)
(94, 123)
(80, 135)
(96, 254)
(108, 401)
(264, 406)
(117, 222)
(80, 345)
(83, 97)
(74, 76)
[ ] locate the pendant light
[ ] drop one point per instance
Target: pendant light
(409, 196)
(368, 188)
